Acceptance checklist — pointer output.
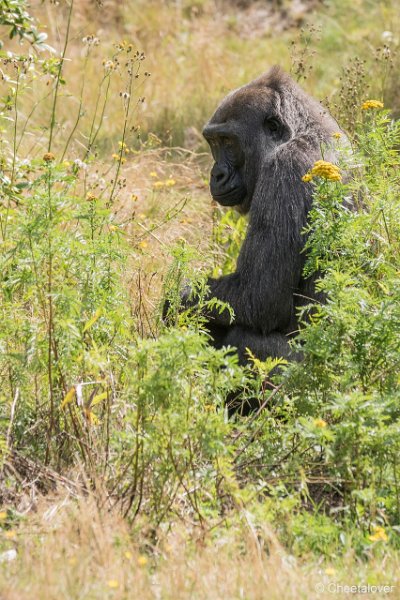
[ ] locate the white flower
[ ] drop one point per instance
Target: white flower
(80, 164)
(387, 36)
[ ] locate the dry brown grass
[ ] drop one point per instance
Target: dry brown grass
(198, 50)
(160, 217)
(71, 550)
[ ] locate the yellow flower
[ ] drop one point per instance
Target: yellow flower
(142, 560)
(330, 571)
(10, 535)
(170, 182)
(337, 135)
(135, 197)
(128, 555)
(371, 104)
(90, 197)
(158, 184)
(307, 177)
(3, 515)
(326, 170)
(153, 174)
(113, 584)
(49, 157)
(124, 147)
(320, 423)
(143, 244)
(118, 157)
(379, 534)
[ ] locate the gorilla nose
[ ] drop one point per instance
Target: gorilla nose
(220, 174)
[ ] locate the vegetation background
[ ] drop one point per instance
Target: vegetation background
(121, 476)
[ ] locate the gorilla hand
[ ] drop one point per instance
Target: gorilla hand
(171, 309)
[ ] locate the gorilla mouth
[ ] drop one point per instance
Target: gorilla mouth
(232, 197)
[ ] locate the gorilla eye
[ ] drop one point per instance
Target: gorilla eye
(228, 142)
(272, 124)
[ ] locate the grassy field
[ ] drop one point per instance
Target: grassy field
(197, 52)
(120, 475)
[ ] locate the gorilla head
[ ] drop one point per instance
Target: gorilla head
(249, 128)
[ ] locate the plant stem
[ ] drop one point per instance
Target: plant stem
(50, 316)
(58, 79)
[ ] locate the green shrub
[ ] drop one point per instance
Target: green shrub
(349, 376)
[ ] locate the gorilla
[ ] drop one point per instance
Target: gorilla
(264, 137)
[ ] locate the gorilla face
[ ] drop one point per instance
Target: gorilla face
(243, 135)
(227, 183)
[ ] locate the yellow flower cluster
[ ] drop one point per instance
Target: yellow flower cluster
(167, 183)
(379, 534)
(324, 169)
(371, 104)
(116, 156)
(337, 135)
(124, 147)
(320, 423)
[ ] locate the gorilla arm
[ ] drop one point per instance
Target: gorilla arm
(261, 289)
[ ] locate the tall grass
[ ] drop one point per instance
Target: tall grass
(74, 551)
